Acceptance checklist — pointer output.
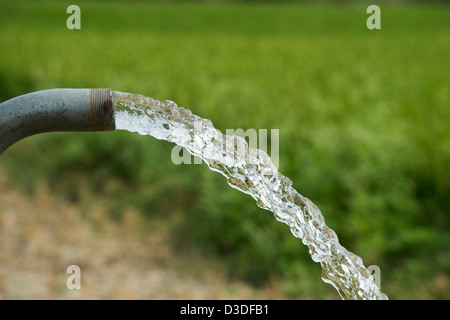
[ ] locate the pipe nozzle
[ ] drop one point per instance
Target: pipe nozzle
(101, 111)
(55, 110)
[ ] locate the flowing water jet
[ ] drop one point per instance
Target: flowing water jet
(252, 172)
(246, 169)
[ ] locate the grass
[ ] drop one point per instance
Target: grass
(363, 118)
(116, 261)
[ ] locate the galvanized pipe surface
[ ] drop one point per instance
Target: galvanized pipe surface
(55, 110)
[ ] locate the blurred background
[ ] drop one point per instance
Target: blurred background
(363, 118)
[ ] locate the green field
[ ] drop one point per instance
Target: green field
(363, 116)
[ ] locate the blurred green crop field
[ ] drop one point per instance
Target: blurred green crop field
(363, 117)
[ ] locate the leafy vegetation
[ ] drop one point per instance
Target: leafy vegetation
(363, 118)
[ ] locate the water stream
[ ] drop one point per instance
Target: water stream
(252, 172)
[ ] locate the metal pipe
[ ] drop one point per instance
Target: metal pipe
(55, 110)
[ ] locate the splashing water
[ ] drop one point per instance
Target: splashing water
(252, 172)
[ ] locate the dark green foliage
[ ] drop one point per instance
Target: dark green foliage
(363, 119)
